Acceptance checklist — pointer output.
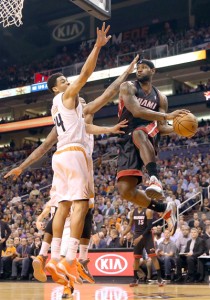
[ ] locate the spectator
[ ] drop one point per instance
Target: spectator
(195, 247)
(115, 242)
(166, 254)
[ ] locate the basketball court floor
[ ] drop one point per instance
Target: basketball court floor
(51, 291)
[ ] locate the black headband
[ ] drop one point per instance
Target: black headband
(147, 62)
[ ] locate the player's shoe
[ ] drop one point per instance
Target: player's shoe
(70, 270)
(52, 268)
(39, 266)
(68, 291)
(155, 189)
(82, 267)
(170, 216)
(161, 282)
(135, 282)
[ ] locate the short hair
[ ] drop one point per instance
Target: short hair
(194, 229)
(51, 81)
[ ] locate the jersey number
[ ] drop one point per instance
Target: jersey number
(59, 122)
(141, 222)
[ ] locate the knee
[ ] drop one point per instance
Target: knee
(125, 191)
(139, 135)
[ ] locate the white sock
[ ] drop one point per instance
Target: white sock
(72, 249)
(44, 248)
(55, 248)
(83, 251)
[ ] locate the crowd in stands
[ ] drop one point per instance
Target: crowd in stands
(184, 170)
(14, 76)
(5, 120)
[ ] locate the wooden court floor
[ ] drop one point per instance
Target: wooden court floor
(51, 291)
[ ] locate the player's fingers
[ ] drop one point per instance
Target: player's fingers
(109, 37)
(97, 30)
(103, 26)
(107, 29)
(136, 58)
(7, 175)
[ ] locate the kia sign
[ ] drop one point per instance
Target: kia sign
(68, 31)
(111, 264)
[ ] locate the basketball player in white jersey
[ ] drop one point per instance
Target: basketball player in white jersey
(92, 107)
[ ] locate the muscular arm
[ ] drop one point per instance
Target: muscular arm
(163, 127)
(127, 94)
(69, 97)
(110, 92)
(50, 140)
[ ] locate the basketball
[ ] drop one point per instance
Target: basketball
(186, 125)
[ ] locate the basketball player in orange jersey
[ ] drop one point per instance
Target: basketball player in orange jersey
(140, 103)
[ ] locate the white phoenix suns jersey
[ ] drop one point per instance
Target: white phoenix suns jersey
(69, 123)
(89, 142)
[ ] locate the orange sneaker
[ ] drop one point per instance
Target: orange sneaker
(69, 270)
(68, 292)
(39, 266)
(84, 271)
(57, 277)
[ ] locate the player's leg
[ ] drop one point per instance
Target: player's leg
(127, 186)
(57, 226)
(147, 154)
(138, 249)
(83, 261)
(68, 265)
(150, 249)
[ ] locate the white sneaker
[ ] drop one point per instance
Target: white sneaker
(155, 189)
(170, 216)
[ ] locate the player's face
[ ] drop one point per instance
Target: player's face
(144, 73)
(62, 84)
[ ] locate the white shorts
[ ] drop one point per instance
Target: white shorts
(71, 173)
(91, 181)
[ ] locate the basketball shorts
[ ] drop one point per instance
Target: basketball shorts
(129, 161)
(71, 173)
(146, 242)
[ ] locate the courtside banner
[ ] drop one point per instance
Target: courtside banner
(109, 263)
(26, 124)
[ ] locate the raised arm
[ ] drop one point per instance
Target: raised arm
(111, 91)
(50, 140)
(127, 94)
(70, 94)
(163, 126)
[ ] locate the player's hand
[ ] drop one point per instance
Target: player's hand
(132, 65)
(117, 128)
(39, 225)
(102, 39)
(177, 113)
(14, 173)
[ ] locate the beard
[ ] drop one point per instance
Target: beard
(143, 79)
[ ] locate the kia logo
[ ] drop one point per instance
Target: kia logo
(68, 31)
(111, 264)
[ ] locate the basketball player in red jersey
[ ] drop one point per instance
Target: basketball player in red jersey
(140, 103)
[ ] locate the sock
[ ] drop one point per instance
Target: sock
(44, 248)
(55, 248)
(157, 206)
(72, 249)
(135, 274)
(152, 169)
(159, 275)
(83, 251)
